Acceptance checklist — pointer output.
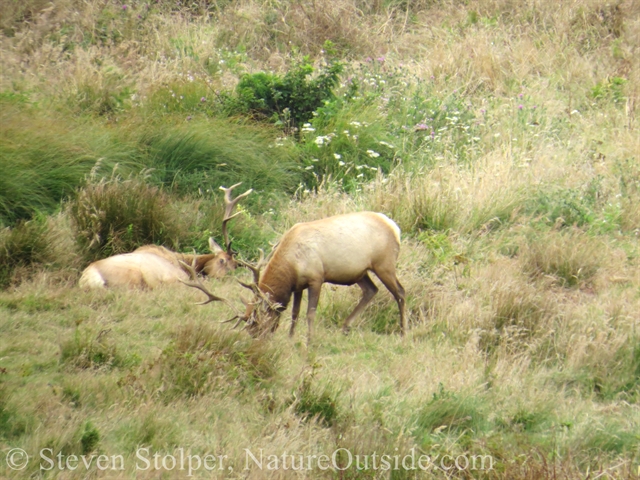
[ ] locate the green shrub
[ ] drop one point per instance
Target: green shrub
(290, 99)
(89, 438)
(116, 216)
(560, 207)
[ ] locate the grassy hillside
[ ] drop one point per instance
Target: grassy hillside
(501, 136)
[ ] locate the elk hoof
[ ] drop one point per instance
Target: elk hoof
(346, 330)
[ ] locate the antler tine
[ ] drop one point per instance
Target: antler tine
(240, 319)
(197, 283)
(255, 269)
(229, 205)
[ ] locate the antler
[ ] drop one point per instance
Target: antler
(229, 205)
(197, 283)
(255, 269)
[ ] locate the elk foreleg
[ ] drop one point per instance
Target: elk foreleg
(295, 311)
(314, 297)
(369, 290)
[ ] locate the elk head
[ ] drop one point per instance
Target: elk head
(261, 314)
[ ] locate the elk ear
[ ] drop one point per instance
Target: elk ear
(214, 247)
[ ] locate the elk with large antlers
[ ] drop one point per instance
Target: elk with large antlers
(341, 250)
(152, 265)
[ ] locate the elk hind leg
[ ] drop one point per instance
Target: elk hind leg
(369, 290)
(295, 311)
(390, 280)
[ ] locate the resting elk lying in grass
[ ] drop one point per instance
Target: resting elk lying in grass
(341, 250)
(152, 265)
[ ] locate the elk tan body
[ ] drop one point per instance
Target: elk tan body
(152, 265)
(341, 250)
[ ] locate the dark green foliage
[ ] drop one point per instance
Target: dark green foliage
(560, 207)
(24, 245)
(117, 216)
(313, 403)
(201, 358)
(290, 99)
(89, 439)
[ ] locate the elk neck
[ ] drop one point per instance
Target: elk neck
(278, 282)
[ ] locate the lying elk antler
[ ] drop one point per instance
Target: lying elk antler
(197, 283)
(229, 205)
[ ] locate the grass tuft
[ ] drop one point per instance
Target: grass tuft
(201, 358)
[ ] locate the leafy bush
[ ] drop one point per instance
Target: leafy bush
(116, 216)
(559, 207)
(290, 99)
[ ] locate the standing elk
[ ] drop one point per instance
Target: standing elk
(341, 250)
(152, 265)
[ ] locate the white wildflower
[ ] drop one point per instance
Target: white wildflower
(373, 154)
(337, 156)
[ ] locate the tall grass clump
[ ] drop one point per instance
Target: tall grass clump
(115, 216)
(201, 358)
(22, 247)
(44, 159)
(449, 413)
(87, 349)
(199, 155)
(570, 259)
(519, 317)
